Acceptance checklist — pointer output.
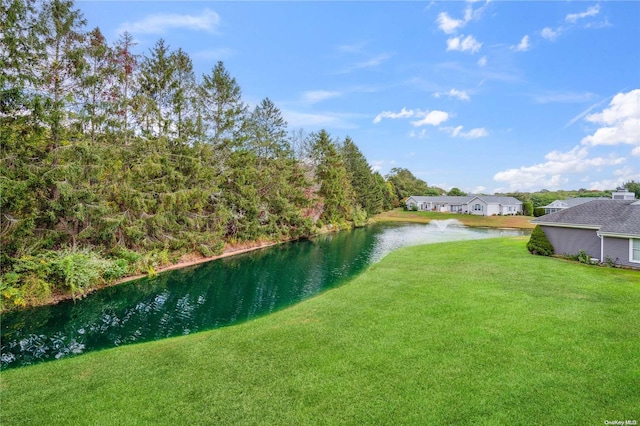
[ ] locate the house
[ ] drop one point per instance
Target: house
(484, 205)
(604, 229)
(558, 205)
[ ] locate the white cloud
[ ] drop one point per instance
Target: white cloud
(454, 93)
(601, 24)
(432, 118)
(523, 46)
(550, 174)
(404, 113)
(478, 132)
(550, 34)
(448, 24)
(620, 121)
(591, 11)
(482, 61)
(622, 176)
(468, 43)
(208, 20)
(315, 96)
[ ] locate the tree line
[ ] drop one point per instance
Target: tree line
(113, 162)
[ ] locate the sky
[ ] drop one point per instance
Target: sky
(488, 97)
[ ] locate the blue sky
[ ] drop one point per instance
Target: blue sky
(484, 96)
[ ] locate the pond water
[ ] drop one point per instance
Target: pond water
(213, 294)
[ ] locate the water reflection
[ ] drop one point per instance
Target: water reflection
(211, 295)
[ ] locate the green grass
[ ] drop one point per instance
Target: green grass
(476, 332)
(401, 215)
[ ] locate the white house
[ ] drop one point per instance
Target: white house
(484, 205)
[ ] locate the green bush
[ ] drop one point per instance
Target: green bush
(538, 243)
(359, 217)
(79, 270)
(583, 257)
(539, 211)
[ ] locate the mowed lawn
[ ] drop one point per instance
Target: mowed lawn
(401, 215)
(476, 333)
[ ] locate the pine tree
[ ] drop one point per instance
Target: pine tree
(61, 29)
(96, 84)
(331, 174)
(224, 110)
(183, 98)
(125, 66)
(367, 192)
(156, 84)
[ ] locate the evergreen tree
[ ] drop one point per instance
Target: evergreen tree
(183, 98)
(156, 85)
(224, 110)
(61, 29)
(125, 66)
(96, 84)
(331, 174)
(368, 194)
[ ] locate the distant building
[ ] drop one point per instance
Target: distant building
(558, 205)
(483, 205)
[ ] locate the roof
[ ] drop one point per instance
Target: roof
(613, 217)
(570, 202)
(489, 199)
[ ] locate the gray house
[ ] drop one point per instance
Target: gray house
(604, 229)
(483, 205)
(558, 205)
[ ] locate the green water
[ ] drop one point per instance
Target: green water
(211, 295)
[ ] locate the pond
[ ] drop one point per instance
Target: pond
(210, 295)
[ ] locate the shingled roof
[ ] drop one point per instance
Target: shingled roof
(610, 217)
(570, 202)
(460, 199)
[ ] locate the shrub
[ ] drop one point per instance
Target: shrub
(359, 217)
(78, 269)
(539, 211)
(527, 208)
(538, 243)
(583, 257)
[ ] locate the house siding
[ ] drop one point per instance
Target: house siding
(492, 209)
(482, 212)
(617, 249)
(572, 240)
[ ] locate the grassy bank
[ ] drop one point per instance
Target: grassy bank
(476, 332)
(400, 215)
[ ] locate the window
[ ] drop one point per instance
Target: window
(634, 250)
(477, 207)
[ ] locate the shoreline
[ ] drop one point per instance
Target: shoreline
(228, 252)
(186, 263)
(191, 260)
